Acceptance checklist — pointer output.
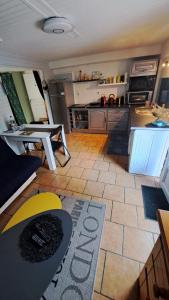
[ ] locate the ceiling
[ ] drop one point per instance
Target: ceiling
(100, 26)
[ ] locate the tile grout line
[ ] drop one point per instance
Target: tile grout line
(112, 252)
(103, 270)
(123, 243)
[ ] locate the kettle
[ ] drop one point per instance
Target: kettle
(112, 99)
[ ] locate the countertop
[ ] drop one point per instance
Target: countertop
(138, 121)
(96, 106)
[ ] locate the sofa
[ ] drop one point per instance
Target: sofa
(16, 173)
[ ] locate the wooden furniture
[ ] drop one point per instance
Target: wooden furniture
(154, 278)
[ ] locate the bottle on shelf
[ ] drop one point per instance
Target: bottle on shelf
(80, 75)
(12, 124)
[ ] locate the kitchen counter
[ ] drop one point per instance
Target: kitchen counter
(148, 145)
(139, 121)
(89, 106)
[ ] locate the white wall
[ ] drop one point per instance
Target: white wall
(5, 110)
(106, 57)
(109, 64)
(90, 91)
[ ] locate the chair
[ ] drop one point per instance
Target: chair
(57, 143)
(36, 145)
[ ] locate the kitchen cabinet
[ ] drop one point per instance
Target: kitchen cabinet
(154, 278)
(144, 67)
(147, 150)
(117, 119)
(98, 119)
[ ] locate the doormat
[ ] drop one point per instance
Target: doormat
(118, 143)
(74, 279)
(153, 199)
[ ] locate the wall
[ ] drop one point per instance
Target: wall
(5, 110)
(106, 57)
(90, 91)
(23, 96)
(109, 64)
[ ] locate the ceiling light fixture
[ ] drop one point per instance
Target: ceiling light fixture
(57, 25)
(165, 64)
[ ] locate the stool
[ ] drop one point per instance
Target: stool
(36, 204)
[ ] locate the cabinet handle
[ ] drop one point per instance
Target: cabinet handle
(160, 292)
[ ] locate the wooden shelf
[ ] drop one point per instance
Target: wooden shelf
(112, 84)
(81, 81)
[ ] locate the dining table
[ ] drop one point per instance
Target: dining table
(34, 133)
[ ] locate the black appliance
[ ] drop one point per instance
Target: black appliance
(142, 83)
(139, 97)
(163, 97)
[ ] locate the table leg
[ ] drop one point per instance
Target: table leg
(49, 153)
(64, 139)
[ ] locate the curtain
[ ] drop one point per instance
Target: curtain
(38, 82)
(9, 87)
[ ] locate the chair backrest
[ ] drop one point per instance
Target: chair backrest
(36, 122)
(5, 152)
(56, 131)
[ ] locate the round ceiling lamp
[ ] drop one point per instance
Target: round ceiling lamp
(57, 25)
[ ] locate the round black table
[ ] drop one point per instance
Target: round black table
(21, 279)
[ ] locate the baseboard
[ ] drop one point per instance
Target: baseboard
(18, 192)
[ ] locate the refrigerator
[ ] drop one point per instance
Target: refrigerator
(61, 96)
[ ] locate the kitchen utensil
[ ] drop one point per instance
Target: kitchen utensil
(111, 99)
(103, 101)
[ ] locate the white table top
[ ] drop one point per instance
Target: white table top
(34, 134)
(47, 126)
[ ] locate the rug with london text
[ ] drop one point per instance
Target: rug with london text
(74, 279)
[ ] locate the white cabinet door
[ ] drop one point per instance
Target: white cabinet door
(36, 101)
(147, 150)
(164, 178)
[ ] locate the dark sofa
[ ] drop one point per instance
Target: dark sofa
(15, 171)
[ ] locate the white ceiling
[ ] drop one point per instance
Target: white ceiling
(102, 26)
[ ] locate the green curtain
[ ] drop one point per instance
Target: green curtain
(9, 87)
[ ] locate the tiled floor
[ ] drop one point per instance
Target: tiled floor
(127, 236)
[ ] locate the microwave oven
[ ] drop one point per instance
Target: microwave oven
(142, 83)
(135, 98)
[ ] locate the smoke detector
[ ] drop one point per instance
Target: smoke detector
(57, 25)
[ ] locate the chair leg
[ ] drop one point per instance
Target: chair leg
(69, 157)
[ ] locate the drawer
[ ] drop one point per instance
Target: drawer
(117, 116)
(160, 271)
(117, 126)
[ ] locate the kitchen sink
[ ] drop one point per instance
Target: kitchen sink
(143, 111)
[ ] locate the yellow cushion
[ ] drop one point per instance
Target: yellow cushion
(33, 206)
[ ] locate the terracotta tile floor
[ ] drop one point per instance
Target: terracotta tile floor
(127, 236)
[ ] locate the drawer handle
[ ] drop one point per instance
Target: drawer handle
(160, 292)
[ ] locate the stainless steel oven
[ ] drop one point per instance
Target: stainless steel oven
(139, 97)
